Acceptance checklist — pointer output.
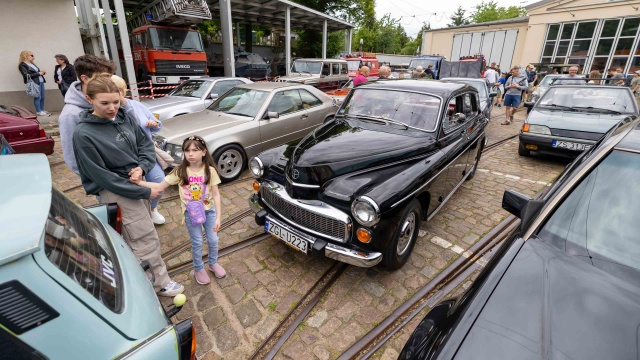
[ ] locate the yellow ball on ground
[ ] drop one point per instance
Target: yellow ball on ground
(179, 300)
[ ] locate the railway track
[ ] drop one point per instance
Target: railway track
(174, 197)
(173, 252)
(188, 265)
(272, 344)
(498, 143)
(431, 293)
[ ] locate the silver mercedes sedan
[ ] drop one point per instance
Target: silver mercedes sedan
(192, 96)
(247, 120)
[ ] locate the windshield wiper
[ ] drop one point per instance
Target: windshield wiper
(395, 122)
(235, 113)
(561, 107)
(366, 117)
(598, 109)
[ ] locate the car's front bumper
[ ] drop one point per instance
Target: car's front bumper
(319, 246)
(544, 144)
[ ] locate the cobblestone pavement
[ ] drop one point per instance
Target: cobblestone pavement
(235, 314)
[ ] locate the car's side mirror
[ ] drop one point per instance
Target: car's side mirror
(528, 104)
(272, 115)
(213, 96)
(323, 76)
(493, 94)
(520, 205)
(460, 117)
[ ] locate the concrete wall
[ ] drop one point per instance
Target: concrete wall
(44, 27)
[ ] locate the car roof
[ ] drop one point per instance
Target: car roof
(25, 194)
(443, 89)
(268, 85)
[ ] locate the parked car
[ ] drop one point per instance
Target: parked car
(325, 74)
(343, 91)
(483, 92)
(23, 131)
(247, 120)
(70, 287)
(357, 188)
(571, 118)
(192, 96)
(566, 283)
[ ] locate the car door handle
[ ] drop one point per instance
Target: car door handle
(304, 117)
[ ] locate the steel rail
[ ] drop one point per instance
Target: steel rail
(272, 344)
(393, 321)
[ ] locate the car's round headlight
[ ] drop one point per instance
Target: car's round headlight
(365, 211)
(256, 167)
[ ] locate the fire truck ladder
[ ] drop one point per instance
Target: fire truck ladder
(172, 12)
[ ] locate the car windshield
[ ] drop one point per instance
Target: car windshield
(77, 244)
(175, 39)
(422, 62)
(597, 222)
(353, 64)
(413, 109)
(6, 110)
(309, 67)
(239, 101)
(589, 98)
(348, 85)
(191, 88)
(546, 81)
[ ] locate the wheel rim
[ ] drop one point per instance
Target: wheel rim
(407, 229)
(230, 163)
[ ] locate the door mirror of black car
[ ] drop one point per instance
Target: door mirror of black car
(213, 96)
(272, 115)
(459, 117)
(493, 94)
(521, 206)
(528, 104)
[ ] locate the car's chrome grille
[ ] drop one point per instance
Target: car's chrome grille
(319, 224)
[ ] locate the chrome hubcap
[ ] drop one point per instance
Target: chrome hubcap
(407, 229)
(230, 163)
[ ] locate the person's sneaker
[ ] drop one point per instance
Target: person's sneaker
(172, 289)
(201, 277)
(506, 122)
(217, 270)
(47, 112)
(42, 113)
(156, 217)
(499, 105)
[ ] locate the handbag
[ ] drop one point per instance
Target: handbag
(163, 158)
(33, 89)
(195, 208)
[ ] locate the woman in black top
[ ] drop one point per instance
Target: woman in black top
(64, 74)
(29, 70)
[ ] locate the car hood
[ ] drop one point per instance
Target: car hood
(348, 145)
(169, 102)
(574, 120)
(204, 124)
(549, 305)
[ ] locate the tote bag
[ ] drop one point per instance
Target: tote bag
(33, 89)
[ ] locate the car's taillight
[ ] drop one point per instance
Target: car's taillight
(115, 217)
(186, 340)
(42, 132)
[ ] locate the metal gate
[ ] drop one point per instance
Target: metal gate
(496, 46)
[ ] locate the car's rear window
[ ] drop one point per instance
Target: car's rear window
(77, 244)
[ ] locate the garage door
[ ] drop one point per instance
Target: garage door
(496, 46)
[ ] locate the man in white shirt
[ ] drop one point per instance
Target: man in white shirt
(491, 76)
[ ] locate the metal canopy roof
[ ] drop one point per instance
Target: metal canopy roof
(263, 12)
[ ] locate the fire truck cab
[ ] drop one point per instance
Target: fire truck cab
(355, 62)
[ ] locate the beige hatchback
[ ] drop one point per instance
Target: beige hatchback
(247, 120)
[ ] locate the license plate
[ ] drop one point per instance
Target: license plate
(570, 145)
(287, 236)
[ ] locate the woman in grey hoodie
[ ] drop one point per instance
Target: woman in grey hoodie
(513, 87)
(110, 147)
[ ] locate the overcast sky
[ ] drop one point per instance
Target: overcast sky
(414, 13)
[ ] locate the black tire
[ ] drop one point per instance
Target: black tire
(230, 161)
(404, 237)
(472, 172)
(522, 151)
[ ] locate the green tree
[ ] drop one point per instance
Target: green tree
(490, 11)
(458, 18)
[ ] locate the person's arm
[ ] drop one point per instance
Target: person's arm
(67, 124)
(535, 78)
(215, 194)
(92, 167)
(151, 185)
(152, 123)
(525, 86)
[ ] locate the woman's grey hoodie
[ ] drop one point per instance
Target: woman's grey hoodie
(521, 81)
(106, 150)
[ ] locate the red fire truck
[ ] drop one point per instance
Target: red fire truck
(360, 59)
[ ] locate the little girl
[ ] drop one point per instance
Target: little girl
(198, 181)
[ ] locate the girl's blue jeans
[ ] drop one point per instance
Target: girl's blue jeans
(156, 175)
(39, 102)
(196, 232)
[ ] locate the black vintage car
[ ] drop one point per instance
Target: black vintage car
(357, 188)
(566, 284)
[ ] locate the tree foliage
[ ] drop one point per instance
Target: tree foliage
(458, 18)
(490, 11)
(385, 36)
